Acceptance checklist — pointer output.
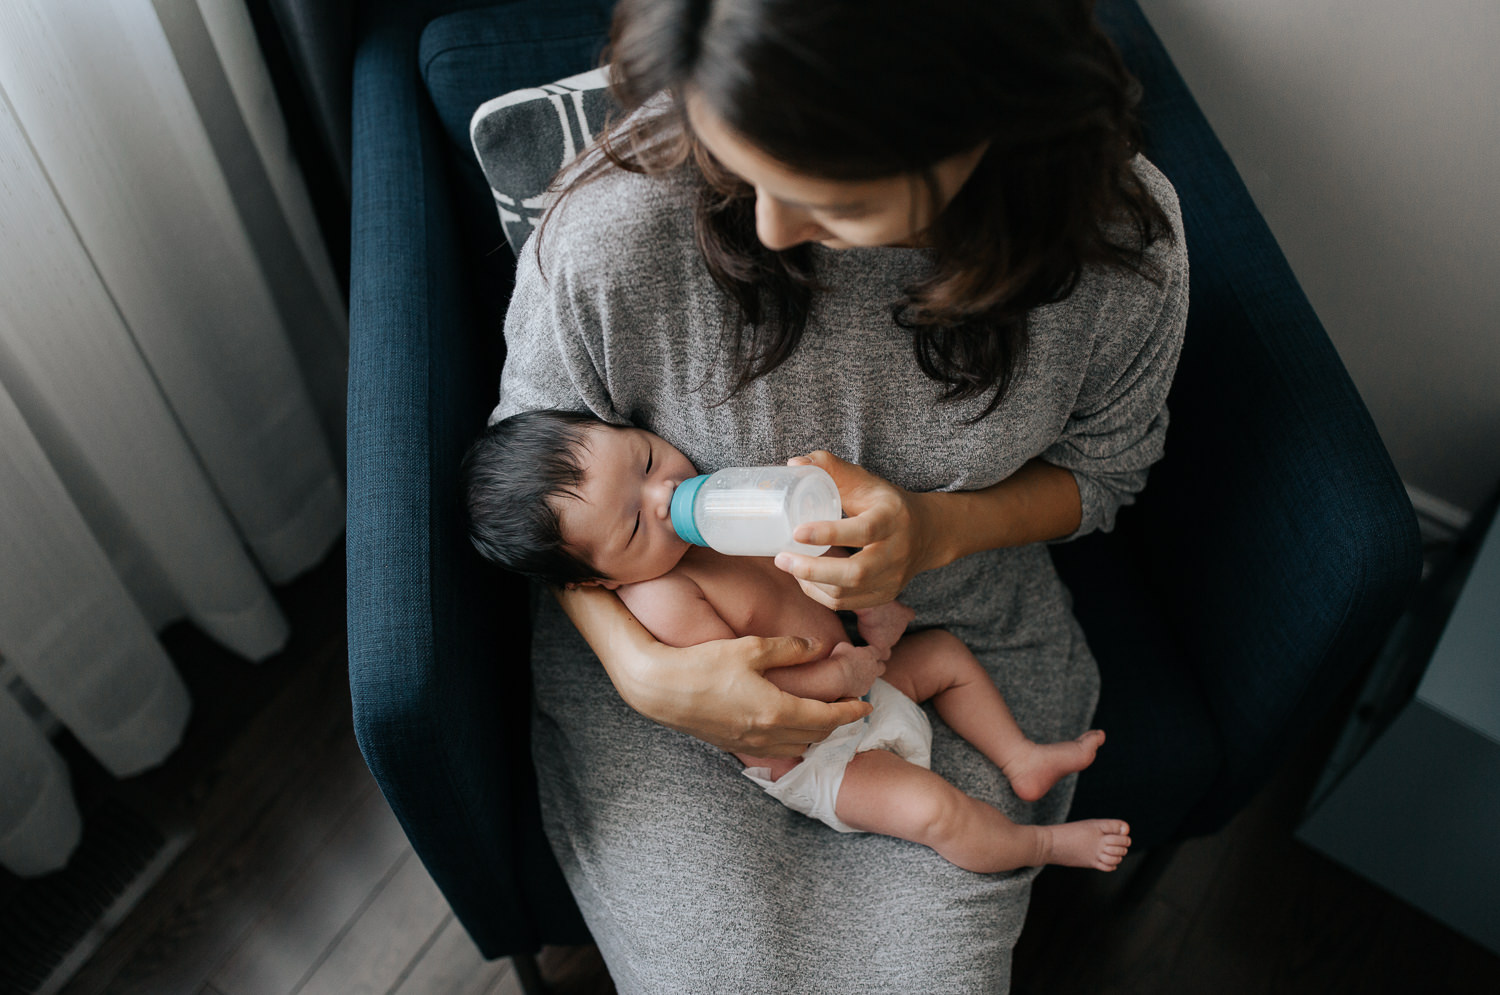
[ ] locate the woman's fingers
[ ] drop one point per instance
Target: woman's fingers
(823, 717)
(824, 570)
(845, 583)
(766, 720)
(882, 526)
(862, 530)
(802, 723)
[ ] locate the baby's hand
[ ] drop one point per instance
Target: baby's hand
(882, 625)
(862, 664)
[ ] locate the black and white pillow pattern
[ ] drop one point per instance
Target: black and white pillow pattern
(524, 137)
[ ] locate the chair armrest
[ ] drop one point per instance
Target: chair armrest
(438, 676)
(1276, 491)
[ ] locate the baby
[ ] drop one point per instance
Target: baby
(570, 500)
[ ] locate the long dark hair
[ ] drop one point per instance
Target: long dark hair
(864, 89)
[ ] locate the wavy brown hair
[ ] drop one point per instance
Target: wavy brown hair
(865, 89)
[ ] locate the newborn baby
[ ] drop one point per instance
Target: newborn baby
(571, 500)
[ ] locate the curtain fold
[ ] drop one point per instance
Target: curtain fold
(171, 368)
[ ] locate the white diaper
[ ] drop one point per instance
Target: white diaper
(897, 724)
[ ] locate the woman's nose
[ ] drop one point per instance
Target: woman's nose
(780, 226)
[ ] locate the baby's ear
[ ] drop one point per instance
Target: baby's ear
(608, 585)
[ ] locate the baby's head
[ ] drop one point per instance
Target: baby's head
(568, 499)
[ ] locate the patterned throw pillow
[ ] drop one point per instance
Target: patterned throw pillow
(524, 137)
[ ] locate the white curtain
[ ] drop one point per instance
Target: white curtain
(171, 379)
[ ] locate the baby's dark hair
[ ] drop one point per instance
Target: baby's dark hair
(511, 476)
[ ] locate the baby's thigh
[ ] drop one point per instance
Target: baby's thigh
(924, 664)
(883, 793)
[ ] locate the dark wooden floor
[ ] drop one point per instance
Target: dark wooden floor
(300, 882)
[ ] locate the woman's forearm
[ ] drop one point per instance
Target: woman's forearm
(614, 635)
(1038, 502)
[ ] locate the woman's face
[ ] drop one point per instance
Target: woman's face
(792, 208)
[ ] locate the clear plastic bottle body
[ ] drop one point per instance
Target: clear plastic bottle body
(753, 510)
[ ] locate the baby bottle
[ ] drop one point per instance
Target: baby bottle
(752, 510)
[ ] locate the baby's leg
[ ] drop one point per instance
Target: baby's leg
(881, 793)
(936, 664)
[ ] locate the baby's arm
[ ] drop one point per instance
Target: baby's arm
(674, 609)
(882, 625)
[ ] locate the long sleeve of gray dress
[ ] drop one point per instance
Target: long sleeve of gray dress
(691, 879)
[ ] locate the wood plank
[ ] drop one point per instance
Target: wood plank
(387, 940)
(261, 811)
(1137, 951)
(306, 919)
(242, 882)
(452, 965)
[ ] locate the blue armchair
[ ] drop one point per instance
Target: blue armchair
(1257, 574)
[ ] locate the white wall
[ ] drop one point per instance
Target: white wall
(1368, 132)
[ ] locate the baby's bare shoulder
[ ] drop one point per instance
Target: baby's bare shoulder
(674, 587)
(673, 608)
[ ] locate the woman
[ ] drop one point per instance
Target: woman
(928, 247)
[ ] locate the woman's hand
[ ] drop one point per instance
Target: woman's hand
(893, 529)
(715, 691)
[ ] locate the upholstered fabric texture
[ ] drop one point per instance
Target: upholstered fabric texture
(523, 138)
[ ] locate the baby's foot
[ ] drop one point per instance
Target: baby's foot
(1033, 772)
(882, 625)
(1097, 843)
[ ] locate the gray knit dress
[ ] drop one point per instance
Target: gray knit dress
(691, 878)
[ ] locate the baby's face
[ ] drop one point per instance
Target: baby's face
(622, 520)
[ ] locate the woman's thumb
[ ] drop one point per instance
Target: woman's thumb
(843, 473)
(788, 651)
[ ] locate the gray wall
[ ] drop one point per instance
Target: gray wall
(1368, 132)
